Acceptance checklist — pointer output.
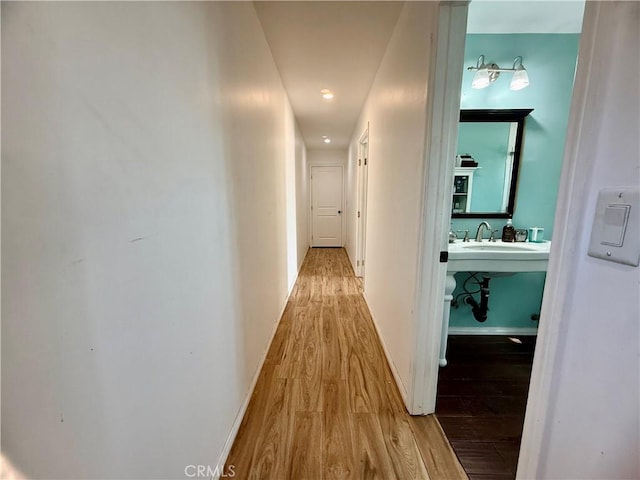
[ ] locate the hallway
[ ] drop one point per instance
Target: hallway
(326, 404)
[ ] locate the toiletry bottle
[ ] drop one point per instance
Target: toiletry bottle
(508, 232)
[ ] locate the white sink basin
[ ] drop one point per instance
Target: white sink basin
(498, 256)
(497, 247)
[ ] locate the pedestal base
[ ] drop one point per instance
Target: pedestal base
(449, 287)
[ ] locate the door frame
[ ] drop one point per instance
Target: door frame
(342, 215)
(441, 135)
(574, 186)
(361, 202)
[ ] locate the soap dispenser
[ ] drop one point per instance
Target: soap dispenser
(508, 232)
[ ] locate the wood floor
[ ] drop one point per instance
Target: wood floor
(482, 396)
(325, 405)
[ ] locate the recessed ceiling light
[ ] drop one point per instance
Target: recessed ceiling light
(326, 140)
(326, 94)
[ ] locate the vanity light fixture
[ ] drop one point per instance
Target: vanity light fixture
(486, 74)
(326, 94)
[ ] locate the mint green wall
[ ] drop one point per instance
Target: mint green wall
(550, 60)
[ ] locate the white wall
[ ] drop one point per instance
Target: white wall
(351, 197)
(302, 196)
(586, 423)
(328, 156)
(144, 231)
(396, 112)
(296, 184)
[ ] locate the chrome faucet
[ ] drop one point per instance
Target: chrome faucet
(479, 232)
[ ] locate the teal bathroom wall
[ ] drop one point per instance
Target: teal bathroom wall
(550, 60)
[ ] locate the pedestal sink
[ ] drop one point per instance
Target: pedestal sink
(488, 257)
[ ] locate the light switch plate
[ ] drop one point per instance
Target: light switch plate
(615, 234)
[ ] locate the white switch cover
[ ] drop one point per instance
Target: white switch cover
(615, 235)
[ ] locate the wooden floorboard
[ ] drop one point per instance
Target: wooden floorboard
(482, 395)
(436, 451)
(306, 448)
(326, 405)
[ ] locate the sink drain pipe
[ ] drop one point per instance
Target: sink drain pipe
(480, 309)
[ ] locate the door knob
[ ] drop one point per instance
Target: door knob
(339, 212)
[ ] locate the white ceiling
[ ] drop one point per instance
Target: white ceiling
(334, 45)
(339, 45)
(525, 16)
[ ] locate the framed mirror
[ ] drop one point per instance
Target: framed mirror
(487, 164)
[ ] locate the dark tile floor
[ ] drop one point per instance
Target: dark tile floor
(482, 395)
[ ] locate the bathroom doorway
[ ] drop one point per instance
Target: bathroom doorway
(484, 387)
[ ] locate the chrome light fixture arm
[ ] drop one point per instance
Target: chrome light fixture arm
(488, 73)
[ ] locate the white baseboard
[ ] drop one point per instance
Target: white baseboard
(243, 408)
(392, 365)
(523, 331)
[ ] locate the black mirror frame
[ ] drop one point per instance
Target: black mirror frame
(507, 115)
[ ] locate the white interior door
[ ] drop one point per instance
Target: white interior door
(326, 206)
(361, 213)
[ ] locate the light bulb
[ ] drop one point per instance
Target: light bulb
(326, 94)
(520, 79)
(481, 78)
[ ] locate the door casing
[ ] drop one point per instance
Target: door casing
(361, 212)
(443, 106)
